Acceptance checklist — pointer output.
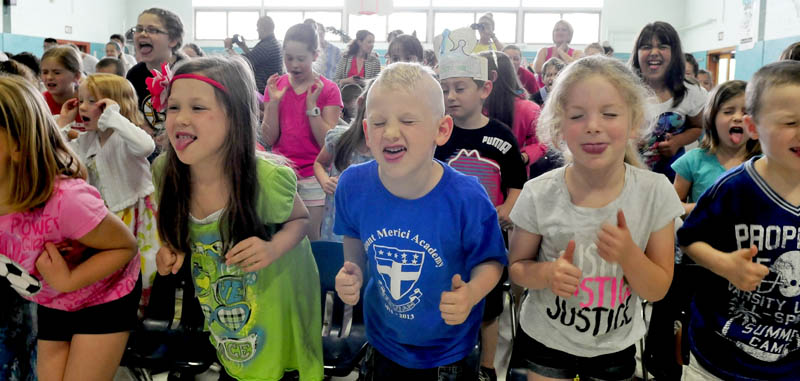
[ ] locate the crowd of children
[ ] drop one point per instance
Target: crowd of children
(433, 183)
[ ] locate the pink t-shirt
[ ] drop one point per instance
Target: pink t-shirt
(297, 141)
(74, 210)
(526, 115)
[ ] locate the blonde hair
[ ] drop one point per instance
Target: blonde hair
(32, 132)
(636, 95)
(66, 56)
(412, 77)
(118, 89)
(569, 28)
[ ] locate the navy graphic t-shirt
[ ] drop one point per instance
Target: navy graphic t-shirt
(413, 249)
(739, 334)
(490, 153)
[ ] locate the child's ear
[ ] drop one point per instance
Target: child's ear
(444, 128)
(366, 135)
(486, 89)
(750, 125)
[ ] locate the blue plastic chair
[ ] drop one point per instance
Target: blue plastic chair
(344, 339)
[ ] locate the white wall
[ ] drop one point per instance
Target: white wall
(710, 17)
(781, 19)
(91, 20)
(622, 20)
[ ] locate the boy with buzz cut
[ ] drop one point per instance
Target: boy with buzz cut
(745, 320)
(487, 149)
(427, 236)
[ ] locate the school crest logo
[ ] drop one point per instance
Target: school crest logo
(399, 269)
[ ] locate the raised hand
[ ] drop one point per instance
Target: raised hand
(457, 303)
(348, 283)
(313, 93)
(614, 242)
(745, 274)
(69, 111)
(274, 93)
(565, 276)
(105, 102)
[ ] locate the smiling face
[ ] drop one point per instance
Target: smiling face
(58, 80)
(729, 123)
(402, 130)
(154, 48)
(778, 126)
(654, 59)
(365, 46)
(515, 56)
(561, 33)
(705, 81)
(298, 60)
(462, 97)
(197, 125)
(596, 123)
(688, 70)
(112, 51)
(87, 107)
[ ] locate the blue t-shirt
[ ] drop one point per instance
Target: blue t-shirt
(699, 167)
(738, 334)
(413, 249)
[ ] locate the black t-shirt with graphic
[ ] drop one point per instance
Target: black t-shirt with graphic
(137, 76)
(490, 153)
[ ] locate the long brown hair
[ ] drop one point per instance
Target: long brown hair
(506, 89)
(32, 132)
(719, 95)
(354, 136)
(675, 78)
(241, 218)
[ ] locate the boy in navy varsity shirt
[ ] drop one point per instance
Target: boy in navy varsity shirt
(433, 253)
(745, 323)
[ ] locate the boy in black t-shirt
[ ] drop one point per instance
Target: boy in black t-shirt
(487, 149)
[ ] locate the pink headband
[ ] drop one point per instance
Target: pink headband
(159, 85)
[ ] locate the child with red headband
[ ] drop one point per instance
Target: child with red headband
(239, 215)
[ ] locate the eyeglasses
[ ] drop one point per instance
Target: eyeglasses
(150, 30)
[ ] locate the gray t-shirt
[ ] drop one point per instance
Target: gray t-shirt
(605, 316)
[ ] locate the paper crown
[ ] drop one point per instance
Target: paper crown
(454, 51)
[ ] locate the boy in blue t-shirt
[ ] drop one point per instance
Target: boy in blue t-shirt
(745, 322)
(426, 235)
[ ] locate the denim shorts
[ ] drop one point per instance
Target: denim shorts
(552, 363)
(376, 367)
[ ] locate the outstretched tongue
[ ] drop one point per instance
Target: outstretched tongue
(736, 135)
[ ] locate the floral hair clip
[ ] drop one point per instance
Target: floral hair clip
(159, 84)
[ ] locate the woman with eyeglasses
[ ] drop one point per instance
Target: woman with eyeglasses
(157, 38)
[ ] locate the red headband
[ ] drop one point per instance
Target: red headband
(159, 85)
